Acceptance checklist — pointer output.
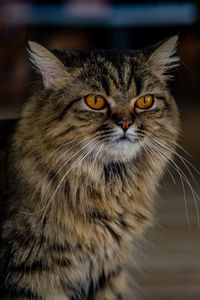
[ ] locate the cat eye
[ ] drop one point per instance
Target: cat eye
(95, 101)
(144, 102)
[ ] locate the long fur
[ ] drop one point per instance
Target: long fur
(76, 196)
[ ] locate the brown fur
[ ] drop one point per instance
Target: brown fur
(70, 224)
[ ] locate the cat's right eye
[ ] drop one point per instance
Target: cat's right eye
(95, 101)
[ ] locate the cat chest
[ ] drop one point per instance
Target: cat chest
(91, 270)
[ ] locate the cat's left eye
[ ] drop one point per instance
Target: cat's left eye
(144, 102)
(95, 101)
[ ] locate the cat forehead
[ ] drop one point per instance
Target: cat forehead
(114, 72)
(104, 61)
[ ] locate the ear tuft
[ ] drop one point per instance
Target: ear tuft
(50, 67)
(164, 58)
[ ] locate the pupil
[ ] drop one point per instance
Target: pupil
(95, 100)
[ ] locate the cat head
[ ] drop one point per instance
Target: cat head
(116, 101)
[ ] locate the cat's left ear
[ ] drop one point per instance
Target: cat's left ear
(163, 57)
(49, 66)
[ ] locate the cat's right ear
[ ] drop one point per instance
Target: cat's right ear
(49, 66)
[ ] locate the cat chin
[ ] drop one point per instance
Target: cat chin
(122, 151)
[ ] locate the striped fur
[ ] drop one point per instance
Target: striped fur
(77, 197)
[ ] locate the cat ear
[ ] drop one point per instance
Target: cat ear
(50, 67)
(164, 58)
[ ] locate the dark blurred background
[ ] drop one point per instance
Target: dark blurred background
(172, 265)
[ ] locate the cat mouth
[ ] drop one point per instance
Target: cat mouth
(124, 138)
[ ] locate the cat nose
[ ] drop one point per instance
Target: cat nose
(125, 124)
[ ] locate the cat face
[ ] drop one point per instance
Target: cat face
(116, 101)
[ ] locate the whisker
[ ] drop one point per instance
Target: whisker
(146, 148)
(92, 164)
(177, 168)
(146, 133)
(66, 162)
(193, 74)
(92, 141)
(163, 162)
(73, 166)
(183, 160)
(91, 167)
(174, 143)
(58, 148)
(54, 164)
(182, 183)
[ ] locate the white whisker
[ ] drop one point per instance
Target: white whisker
(73, 166)
(182, 175)
(54, 164)
(182, 183)
(66, 162)
(174, 143)
(61, 146)
(183, 160)
(162, 161)
(91, 167)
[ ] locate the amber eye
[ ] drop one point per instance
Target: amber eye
(144, 102)
(95, 101)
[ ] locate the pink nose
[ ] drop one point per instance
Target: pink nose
(125, 124)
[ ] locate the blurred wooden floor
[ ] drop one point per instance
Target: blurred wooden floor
(169, 262)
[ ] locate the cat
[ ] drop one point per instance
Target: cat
(80, 172)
